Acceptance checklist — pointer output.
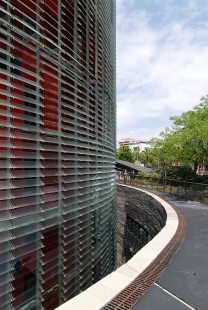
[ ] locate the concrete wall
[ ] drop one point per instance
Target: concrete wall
(146, 213)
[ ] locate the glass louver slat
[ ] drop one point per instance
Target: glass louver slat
(43, 149)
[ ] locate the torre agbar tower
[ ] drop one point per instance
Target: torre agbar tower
(57, 149)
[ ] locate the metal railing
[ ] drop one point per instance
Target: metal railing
(189, 190)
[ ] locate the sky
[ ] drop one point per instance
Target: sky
(162, 63)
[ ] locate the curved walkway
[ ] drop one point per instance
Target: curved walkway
(184, 283)
(161, 249)
(134, 277)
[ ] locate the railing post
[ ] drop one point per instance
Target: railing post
(193, 191)
(164, 184)
(161, 184)
(185, 189)
(203, 193)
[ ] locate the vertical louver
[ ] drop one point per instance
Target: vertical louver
(57, 149)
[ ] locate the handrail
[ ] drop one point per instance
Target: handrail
(189, 190)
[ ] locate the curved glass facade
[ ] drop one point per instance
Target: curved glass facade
(57, 149)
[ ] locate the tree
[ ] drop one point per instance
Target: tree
(136, 154)
(125, 153)
(187, 141)
(193, 127)
(145, 157)
(166, 150)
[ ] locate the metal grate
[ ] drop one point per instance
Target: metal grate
(131, 294)
(135, 237)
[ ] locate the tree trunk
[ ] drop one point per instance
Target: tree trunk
(195, 167)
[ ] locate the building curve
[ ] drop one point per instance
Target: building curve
(57, 149)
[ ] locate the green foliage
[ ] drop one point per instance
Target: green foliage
(142, 174)
(136, 154)
(125, 153)
(145, 157)
(187, 141)
(147, 178)
(181, 173)
(155, 175)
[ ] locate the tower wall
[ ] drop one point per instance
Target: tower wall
(57, 149)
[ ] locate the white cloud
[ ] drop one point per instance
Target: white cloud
(162, 69)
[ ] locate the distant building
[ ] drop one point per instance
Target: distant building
(134, 143)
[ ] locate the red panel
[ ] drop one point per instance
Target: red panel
(51, 300)
(52, 6)
(29, 7)
(50, 282)
(3, 45)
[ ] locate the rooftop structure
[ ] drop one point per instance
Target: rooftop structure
(135, 143)
(121, 165)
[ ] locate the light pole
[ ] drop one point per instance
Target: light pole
(137, 151)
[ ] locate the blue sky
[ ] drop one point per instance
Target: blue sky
(162, 63)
